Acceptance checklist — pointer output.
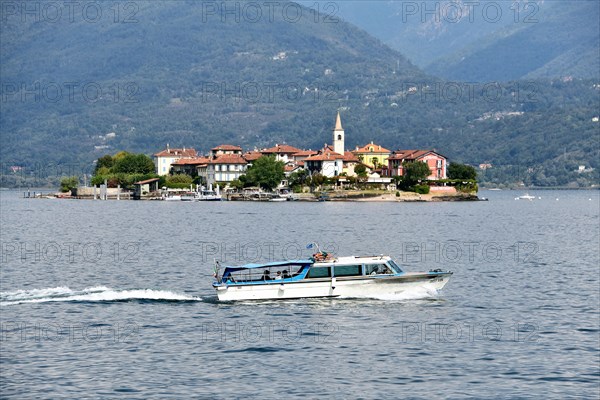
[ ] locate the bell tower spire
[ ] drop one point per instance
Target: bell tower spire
(338, 136)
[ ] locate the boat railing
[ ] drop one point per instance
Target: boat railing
(268, 274)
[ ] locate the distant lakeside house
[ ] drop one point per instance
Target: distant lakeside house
(436, 162)
(164, 159)
(226, 163)
(372, 155)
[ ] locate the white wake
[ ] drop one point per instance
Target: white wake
(99, 293)
(413, 293)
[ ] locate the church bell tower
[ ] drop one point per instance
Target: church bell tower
(338, 136)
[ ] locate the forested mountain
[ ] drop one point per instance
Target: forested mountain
(136, 76)
(487, 41)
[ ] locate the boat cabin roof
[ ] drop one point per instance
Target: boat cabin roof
(336, 261)
(349, 260)
(271, 264)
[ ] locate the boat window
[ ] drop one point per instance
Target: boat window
(319, 272)
(266, 273)
(375, 269)
(395, 266)
(347, 270)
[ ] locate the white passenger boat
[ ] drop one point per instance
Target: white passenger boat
(278, 199)
(323, 276)
(208, 195)
(526, 196)
(174, 197)
(190, 196)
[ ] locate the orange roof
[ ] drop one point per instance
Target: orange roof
(177, 153)
(252, 155)
(281, 149)
(290, 168)
(325, 155)
(192, 161)
(305, 153)
(146, 181)
(227, 147)
(350, 157)
(228, 159)
(410, 154)
(367, 149)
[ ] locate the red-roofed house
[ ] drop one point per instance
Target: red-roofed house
(350, 161)
(302, 155)
(436, 162)
(372, 155)
(164, 159)
(188, 166)
(327, 162)
(224, 168)
(282, 152)
(252, 156)
(225, 149)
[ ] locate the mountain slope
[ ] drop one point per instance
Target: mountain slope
(487, 41)
(564, 42)
(185, 75)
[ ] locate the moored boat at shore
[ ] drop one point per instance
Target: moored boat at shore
(323, 276)
(208, 195)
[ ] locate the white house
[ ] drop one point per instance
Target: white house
(164, 159)
(225, 149)
(282, 152)
(224, 168)
(327, 163)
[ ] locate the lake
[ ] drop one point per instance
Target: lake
(105, 299)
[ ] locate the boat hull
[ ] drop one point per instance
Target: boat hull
(354, 287)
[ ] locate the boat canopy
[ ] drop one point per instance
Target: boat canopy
(271, 264)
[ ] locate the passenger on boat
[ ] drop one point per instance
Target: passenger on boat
(322, 256)
(266, 276)
(285, 274)
(278, 277)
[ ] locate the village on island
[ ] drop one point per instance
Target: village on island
(281, 173)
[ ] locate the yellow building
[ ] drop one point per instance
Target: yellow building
(372, 155)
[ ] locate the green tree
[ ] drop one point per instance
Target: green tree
(360, 170)
(461, 171)
(317, 179)
(298, 178)
(104, 163)
(265, 172)
(68, 183)
(133, 164)
(415, 171)
(236, 184)
(179, 181)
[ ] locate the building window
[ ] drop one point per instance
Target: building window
(339, 137)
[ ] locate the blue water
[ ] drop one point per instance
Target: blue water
(113, 299)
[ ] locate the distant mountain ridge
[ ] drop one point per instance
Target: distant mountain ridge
(488, 40)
